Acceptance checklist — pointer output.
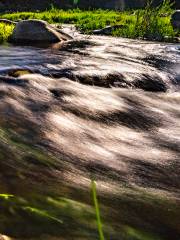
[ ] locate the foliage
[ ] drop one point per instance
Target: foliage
(152, 23)
(5, 31)
(166, 8)
(41, 213)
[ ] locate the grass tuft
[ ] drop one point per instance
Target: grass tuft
(5, 32)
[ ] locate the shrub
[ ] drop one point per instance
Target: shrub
(5, 32)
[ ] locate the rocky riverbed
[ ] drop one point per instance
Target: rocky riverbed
(97, 108)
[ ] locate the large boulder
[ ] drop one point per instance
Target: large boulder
(175, 20)
(37, 31)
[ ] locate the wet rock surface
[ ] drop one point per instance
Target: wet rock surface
(107, 30)
(102, 108)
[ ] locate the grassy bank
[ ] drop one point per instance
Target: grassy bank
(149, 23)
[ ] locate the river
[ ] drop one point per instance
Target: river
(99, 108)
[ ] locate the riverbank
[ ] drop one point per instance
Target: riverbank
(152, 24)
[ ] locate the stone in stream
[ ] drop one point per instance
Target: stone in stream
(37, 31)
(107, 30)
(175, 20)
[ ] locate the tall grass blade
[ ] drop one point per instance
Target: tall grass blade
(96, 205)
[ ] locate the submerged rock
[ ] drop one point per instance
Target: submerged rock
(175, 20)
(37, 31)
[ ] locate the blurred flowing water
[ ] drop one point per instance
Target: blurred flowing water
(104, 108)
(132, 59)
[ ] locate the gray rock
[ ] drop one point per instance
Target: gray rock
(175, 20)
(37, 31)
(107, 30)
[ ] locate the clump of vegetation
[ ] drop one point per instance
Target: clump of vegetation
(98, 18)
(5, 32)
(152, 23)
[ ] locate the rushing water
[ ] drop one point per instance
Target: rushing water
(119, 124)
(130, 58)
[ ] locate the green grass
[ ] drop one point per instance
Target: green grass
(96, 205)
(33, 215)
(5, 32)
(100, 18)
(149, 23)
